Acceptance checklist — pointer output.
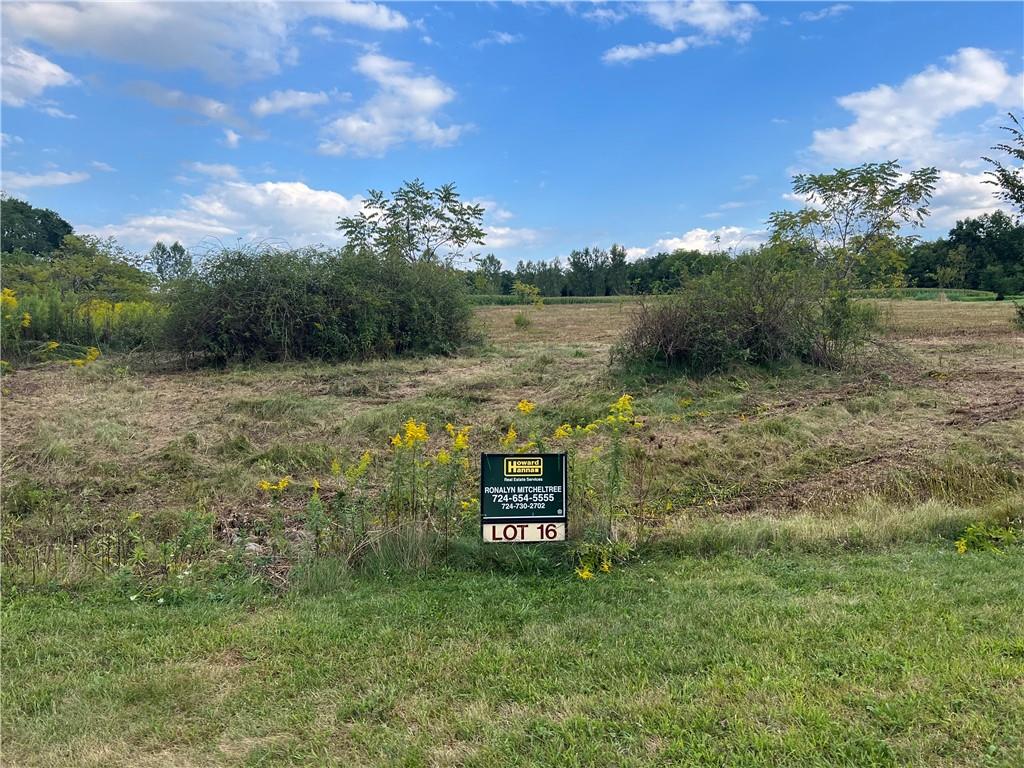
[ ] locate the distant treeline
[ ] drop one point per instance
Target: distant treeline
(984, 253)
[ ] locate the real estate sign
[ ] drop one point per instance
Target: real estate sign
(523, 497)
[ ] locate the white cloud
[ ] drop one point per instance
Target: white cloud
(288, 212)
(211, 109)
(908, 122)
(225, 41)
(498, 237)
(215, 170)
(606, 15)
(7, 139)
(55, 112)
(283, 101)
(498, 38)
(722, 238)
(709, 16)
(632, 254)
(25, 75)
(711, 20)
(901, 121)
(625, 53)
(404, 108)
(826, 13)
(101, 166)
(231, 139)
(18, 181)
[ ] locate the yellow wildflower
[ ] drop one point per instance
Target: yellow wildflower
(316, 484)
(461, 439)
(358, 469)
(562, 432)
(51, 345)
(443, 457)
(465, 505)
(26, 319)
(510, 437)
(8, 300)
(584, 572)
(525, 406)
(450, 429)
(335, 467)
(606, 565)
(464, 463)
(91, 354)
(78, 363)
(415, 432)
(623, 407)
(265, 485)
(396, 440)
(961, 546)
(284, 482)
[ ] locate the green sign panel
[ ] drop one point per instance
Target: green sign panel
(523, 497)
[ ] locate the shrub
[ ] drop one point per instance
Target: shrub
(278, 305)
(763, 307)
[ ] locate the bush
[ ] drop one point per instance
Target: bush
(278, 305)
(763, 307)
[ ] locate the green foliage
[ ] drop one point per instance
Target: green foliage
(34, 231)
(415, 224)
(1009, 180)
(764, 307)
(986, 536)
(169, 262)
(1019, 316)
(854, 216)
(277, 305)
(985, 253)
(527, 294)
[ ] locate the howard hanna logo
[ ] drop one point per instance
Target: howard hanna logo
(524, 467)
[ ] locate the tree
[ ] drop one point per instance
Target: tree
(416, 224)
(1010, 179)
(487, 276)
(171, 263)
(587, 272)
(615, 280)
(855, 215)
(36, 231)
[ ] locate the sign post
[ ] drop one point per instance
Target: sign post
(523, 497)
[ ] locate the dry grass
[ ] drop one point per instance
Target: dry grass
(937, 413)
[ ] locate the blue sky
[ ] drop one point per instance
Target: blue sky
(652, 125)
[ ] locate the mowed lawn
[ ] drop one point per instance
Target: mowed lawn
(897, 658)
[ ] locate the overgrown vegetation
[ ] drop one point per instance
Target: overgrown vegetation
(279, 305)
(765, 307)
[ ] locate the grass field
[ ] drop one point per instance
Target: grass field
(802, 604)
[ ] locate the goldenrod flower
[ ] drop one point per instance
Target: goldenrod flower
(91, 354)
(51, 345)
(396, 440)
(443, 457)
(316, 484)
(606, 565)
(8, 300)
(335, 467)
(961, 546)
(563, 432)
(415, 432)
(510, 437)
(265, 485)
(450, 429)
(358, 469)
(461, 439)
(623, 406)
(585, 573)
(465, 505)
(78, 363)
(525, 406)
(26, 319)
